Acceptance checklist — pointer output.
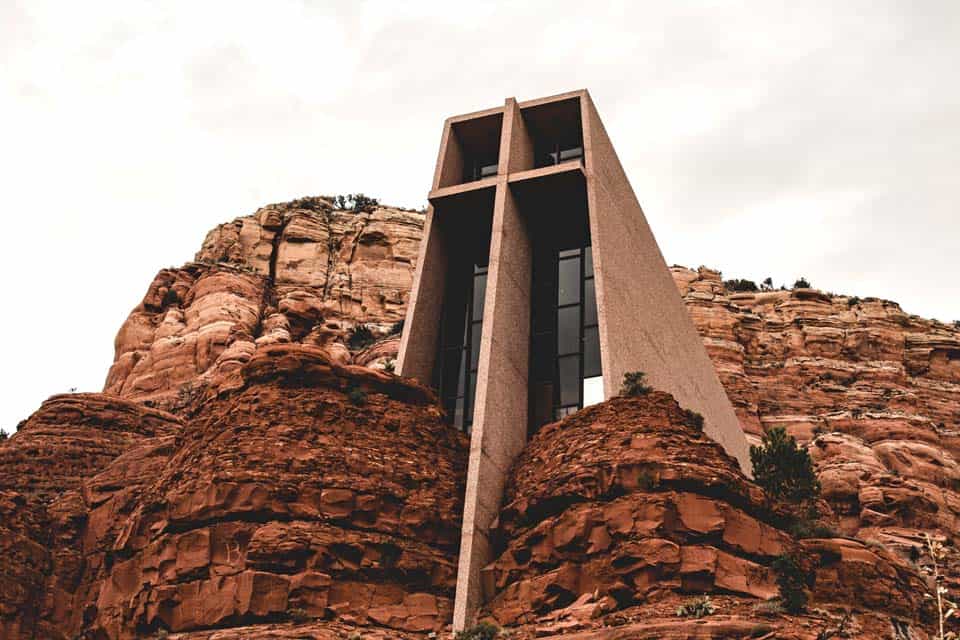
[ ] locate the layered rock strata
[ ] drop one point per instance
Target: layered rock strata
(300, 272)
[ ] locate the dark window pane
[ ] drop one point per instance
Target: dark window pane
(567, 253)
(569, 380)
(570, 154)
(460, 373)
(488, 170)
(591, 352)
(587, 261)
(479, 295)
(569, 281)
(541, 394)
(458, 413)
(568, 330)
(472, 389)
(542, 356)
(451, 365)
(475, 344)
(589, 303)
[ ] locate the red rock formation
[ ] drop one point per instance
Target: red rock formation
(299, 272)
(271, 505)
(299, 486)
(627, 503)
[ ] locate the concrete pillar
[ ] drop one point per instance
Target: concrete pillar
(500, 413)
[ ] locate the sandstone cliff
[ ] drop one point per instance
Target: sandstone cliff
(242, 477)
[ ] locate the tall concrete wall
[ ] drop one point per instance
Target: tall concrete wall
(644, 325)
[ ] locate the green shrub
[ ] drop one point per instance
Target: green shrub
(170, 298)
(634, 384)
(853, 301)
(355, 202)
(767, 283)
(390, 366)
(801, 283)
(693, 419)
(360, 336)
(481, 631)
(3, 435)
(740, 284)
(396, 328)
(357, 396)
(783, 469)
(810, 528)
(696, 608)
(793, 581)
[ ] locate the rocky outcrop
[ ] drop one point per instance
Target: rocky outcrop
(53, 475)
(627, 503)
(253, 471)
(301, 272)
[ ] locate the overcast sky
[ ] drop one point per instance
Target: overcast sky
(764, 139)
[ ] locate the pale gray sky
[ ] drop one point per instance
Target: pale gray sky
(762, 138)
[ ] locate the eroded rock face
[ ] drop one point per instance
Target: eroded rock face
(301, 272)
(300, 485)
(53, 475)
(627, 503)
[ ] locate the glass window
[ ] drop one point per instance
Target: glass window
(569, 367)
(568, 330)
(591, 352)
(563, 412)
(589, 303)
(475, 344)
(588, 262)
(568, 290)
(479, 295)
(592, 390)
(570, 154)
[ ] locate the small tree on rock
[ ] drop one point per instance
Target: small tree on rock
(784, 470)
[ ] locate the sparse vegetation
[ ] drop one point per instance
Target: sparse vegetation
(956, 324)
(946, 607)
(357, 396)
(3, 435)
(793, 581)
(355, 202)
(634, 384)
(298, 615)
(784, 470)
(811, 528)
(767, 283)
(768, 608)
(696, 608)
(360, 336)
(693, 419)
(740, 285)
(481, 631)
(397, 328)
(170, 298)
(801, 283)
(853, 301)
(390, 366)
